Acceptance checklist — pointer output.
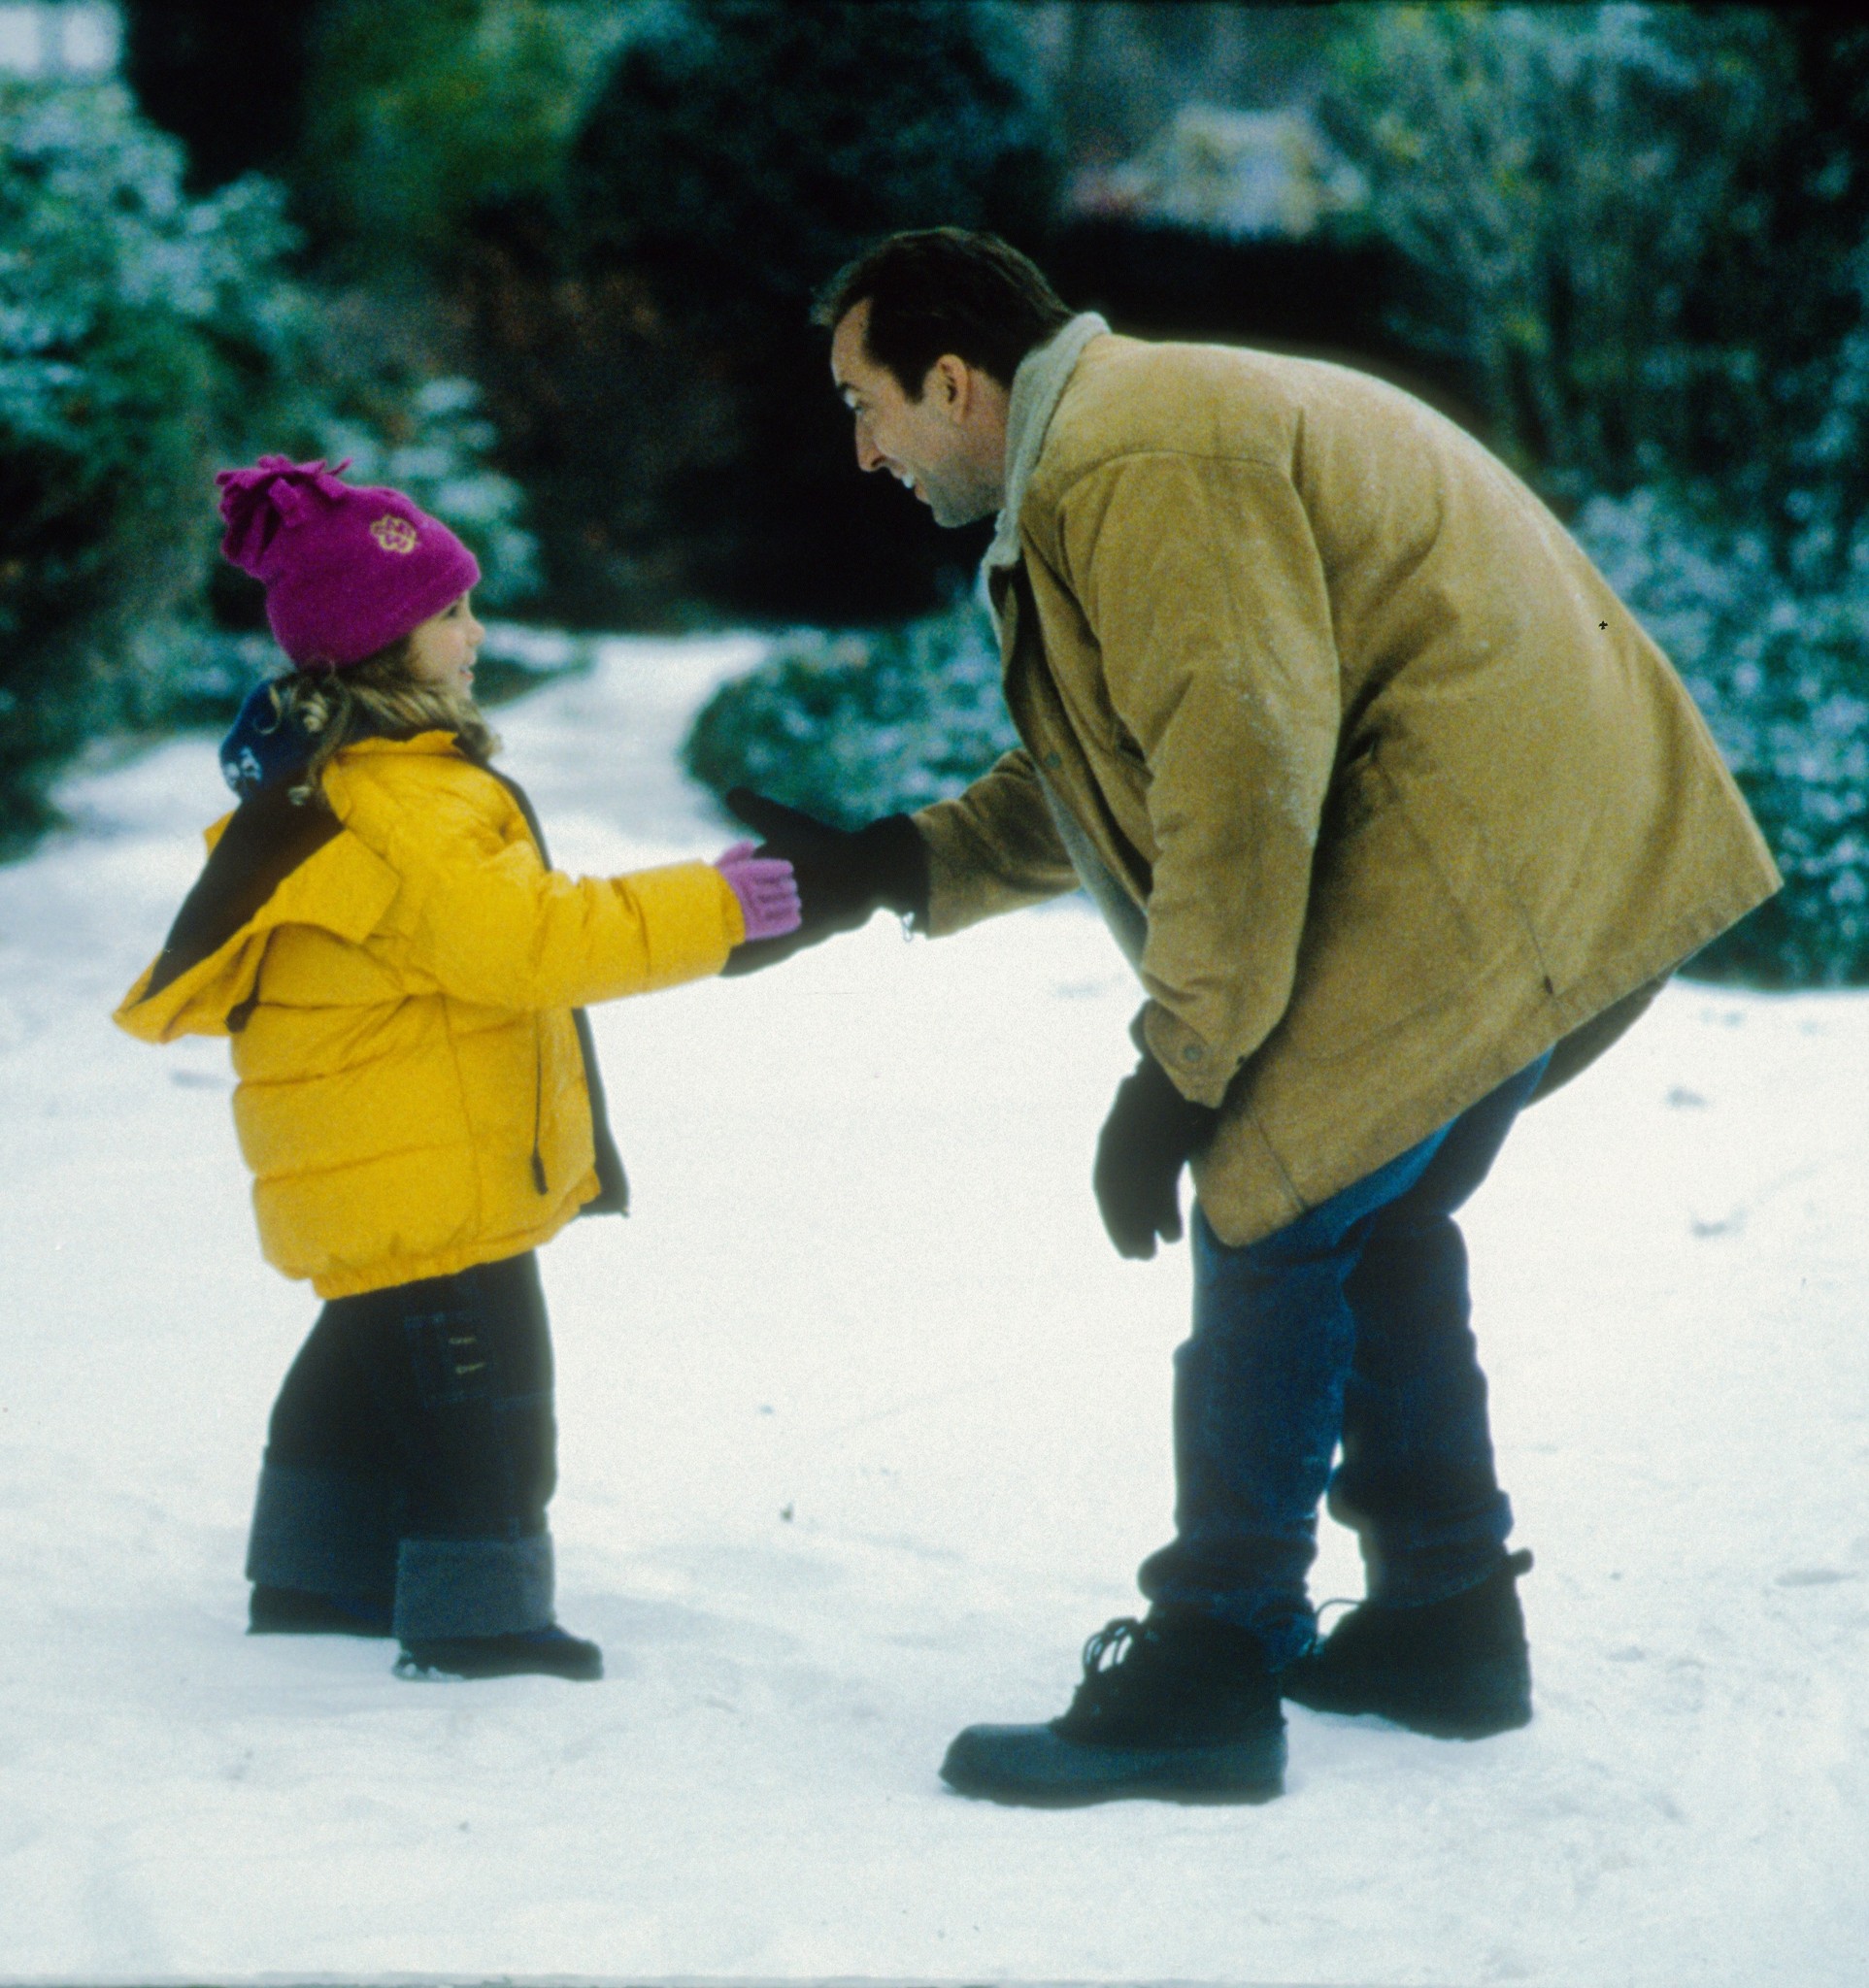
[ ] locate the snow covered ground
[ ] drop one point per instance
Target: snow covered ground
(864, 1428)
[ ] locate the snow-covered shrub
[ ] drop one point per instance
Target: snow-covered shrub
(120, 302)
(1590, 196)
(1781, 668)
(429, 437)
(147, 338)
(854, 725)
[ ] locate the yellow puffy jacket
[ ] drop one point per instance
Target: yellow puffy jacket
(398, 978)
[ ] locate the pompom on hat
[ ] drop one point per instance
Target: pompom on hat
(348, 568)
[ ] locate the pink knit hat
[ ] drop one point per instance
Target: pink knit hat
(348, 569)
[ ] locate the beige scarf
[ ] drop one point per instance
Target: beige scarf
(1037, 388)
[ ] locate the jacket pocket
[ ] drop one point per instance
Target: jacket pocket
(451, 1359)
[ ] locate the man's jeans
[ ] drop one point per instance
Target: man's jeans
(412, 1453)
(1349, 1326)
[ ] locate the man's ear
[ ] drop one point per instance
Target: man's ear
(950, 381)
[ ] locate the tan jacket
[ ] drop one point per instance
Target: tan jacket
(1405, 794)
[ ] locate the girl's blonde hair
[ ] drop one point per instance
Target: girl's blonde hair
(377, 698)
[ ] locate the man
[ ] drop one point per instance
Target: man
(1401, 819)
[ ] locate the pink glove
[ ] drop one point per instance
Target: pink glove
(766, 888)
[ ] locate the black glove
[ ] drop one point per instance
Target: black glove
(1147, 1139)
(844, 873)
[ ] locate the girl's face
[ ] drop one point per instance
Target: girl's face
(442, 649)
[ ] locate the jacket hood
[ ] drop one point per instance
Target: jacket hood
(270, 863)
(341, 886)
(263, 749)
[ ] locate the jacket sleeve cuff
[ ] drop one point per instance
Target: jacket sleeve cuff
(1195, 1068)
(991, 850)
(691, 918)
(900, 858)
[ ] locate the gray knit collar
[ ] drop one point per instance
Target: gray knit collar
(1037, 388)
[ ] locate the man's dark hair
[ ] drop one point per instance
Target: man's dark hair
(938, 290)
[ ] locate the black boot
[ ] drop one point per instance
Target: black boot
(293, 1611)
(548, 1652)
(1457, 1668)
(1178, 1707)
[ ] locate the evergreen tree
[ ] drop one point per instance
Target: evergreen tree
(649, 355)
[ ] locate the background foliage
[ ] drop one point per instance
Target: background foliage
(855, 725)
(424, 114)
(147, 337)
(1777, 670)
(1573, 176)
(545, 263)
(644, 336)
(136, 326)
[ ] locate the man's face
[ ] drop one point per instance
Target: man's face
(934, 446)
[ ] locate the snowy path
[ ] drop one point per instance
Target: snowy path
(864, 1429)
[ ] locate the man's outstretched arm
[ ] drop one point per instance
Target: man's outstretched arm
(991, 849)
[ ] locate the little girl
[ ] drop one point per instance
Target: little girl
(401, 973)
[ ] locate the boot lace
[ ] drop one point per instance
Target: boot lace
(1114, 1642)
(1110, 1664)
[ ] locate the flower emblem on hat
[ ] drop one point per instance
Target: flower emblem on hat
(394, 534)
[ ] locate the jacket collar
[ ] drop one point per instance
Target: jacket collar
(264, 750)
(437, 740)
(1037, 388)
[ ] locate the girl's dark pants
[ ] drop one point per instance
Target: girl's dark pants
(411, 1455)
(1347, 1327)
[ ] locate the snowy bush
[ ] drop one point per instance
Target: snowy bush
(146, 339)
(123, 306)
(1587, 194)
(1781, 668)
(429, 438)
(855, 725)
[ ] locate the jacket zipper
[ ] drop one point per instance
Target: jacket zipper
(538, 1101)
(615, 1197)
